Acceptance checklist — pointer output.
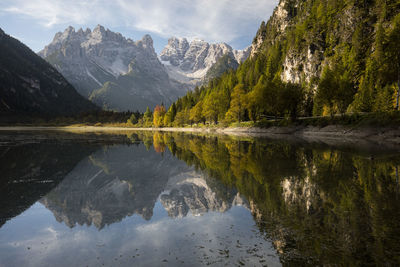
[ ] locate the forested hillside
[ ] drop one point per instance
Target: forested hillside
(313, 57)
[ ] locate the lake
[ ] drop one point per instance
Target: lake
(174, 199)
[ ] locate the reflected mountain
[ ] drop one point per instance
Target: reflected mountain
(319, 204)
(120, 181)
(32, 167)
(190, 192)
(111, 184)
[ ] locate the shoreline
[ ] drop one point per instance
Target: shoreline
(377, 134)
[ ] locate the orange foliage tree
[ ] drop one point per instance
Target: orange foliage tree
(158, 116)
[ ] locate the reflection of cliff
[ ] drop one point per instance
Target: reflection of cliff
(300, 192)
(111, 184)
(190, 192)
(320, 205)
(32, 165)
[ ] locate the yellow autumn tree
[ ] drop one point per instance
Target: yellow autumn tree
(158, 116)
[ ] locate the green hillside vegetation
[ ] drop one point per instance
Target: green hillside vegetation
(225, 63)
(357, 70)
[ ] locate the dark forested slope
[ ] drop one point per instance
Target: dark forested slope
(31, 86)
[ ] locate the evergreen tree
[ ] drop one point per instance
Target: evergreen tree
(147, 117)
(196, 113)
(214, 105)
(132, 119)
(394, 55)
(237, 105)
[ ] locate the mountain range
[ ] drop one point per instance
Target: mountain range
(114, 72)
(120, 74)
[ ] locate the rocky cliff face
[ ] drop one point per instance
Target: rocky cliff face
(29, 85)
(315, 34)
(189, 62)
(297, 65)
(112, 71)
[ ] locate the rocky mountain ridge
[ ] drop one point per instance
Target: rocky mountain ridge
(113, 71)
(190, 62)
(120, 74)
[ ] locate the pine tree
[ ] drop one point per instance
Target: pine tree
(196, 113)
(237, 105)
(147, 117)
(394, 55)
(133, 119)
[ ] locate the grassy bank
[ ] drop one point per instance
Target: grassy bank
(391, 119)
(356, 120)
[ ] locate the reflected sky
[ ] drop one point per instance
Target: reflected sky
(171, 199)
(128, 204)
(35, 238)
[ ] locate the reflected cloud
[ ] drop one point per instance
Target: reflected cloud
(214, 200)
(194, 240)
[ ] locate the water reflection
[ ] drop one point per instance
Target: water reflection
(191, 199)
(32, 167)
(319, 205)
(111, 184)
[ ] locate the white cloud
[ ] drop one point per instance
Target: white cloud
(213, 20)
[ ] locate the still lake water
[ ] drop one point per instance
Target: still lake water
(170, 199)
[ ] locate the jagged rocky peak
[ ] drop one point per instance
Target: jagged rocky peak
(93, 61)
(109, 50)
(195, 56)
(84, 38)
(146, 41)
(175, 50)
(242, 55)
(189, 62)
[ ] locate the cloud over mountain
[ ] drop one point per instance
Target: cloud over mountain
(222, 20)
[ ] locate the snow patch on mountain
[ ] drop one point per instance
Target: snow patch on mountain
(189, 62)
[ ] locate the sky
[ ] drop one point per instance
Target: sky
(35, 22)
